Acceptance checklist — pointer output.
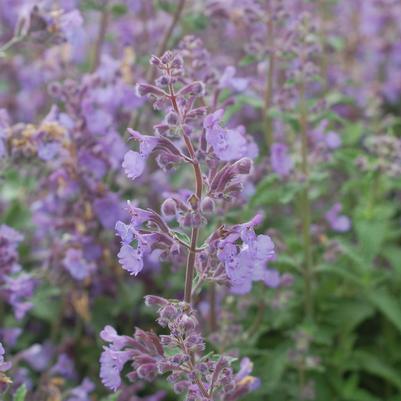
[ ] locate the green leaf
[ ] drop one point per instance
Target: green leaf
(337, 42)
(182, 237)
(341, 272)
(275, 366)
(359, 265)
(119, 9)
(195, 22)
(89, 5)
(46, 303)
(374, 365)
(387, 305)
(247, 60)
(348, 313)
(20, 394)
(111, 397)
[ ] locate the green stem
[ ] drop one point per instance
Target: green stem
(190, 268)
(322, 33)
(97, 53)
(212, 312)
(305, 206)
(268, 96)
(14, 40)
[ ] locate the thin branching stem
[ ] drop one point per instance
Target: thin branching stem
(101, 36)
(305, 205)
(190, 266)
(268, 94)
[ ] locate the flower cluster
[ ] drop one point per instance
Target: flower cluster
(16, 286)
(236, 256)
(179, 354)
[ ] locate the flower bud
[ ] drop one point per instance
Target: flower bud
(196, 88)
(169, 207)
(146, 89)
(244, 165)
(187, 323)
(147, 371)
(193, 200)
(54, 89)
(161, 129)
(153, 300)
(196, 113)
(181, 386)
(167, 57)
(155, 61)
(286, 280)
(197, 220)
(168, 313)
(166, 340)
(207, 205)
(163, 81)
(177, 63)
(172, 118)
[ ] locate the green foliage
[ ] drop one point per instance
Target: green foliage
(20, 394)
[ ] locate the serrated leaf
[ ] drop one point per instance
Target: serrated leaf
(373, 364)
(359, 265)
(387, 304)
(275, 366)
(371, 235)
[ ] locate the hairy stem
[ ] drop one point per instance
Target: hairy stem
(268, 95)
(189, 273)
(190, 267)
(212, 312)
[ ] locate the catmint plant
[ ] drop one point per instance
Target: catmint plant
(230, 255)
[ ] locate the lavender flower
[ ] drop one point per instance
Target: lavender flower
(227, 144)
(337, 222)
(76, 264)
(245, 262)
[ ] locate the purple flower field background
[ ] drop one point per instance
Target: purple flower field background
(200, 200)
